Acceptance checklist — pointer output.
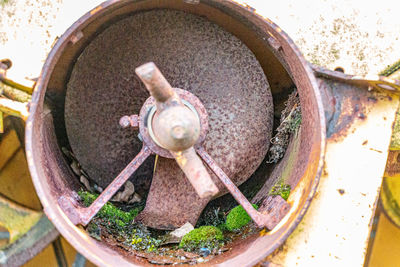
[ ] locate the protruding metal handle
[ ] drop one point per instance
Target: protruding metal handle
(158, 86)
(176, 129)
(380, 83)
(14, 108)
(9, 106)
(25, 85)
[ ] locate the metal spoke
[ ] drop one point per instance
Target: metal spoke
(89, 212)
(261, 219)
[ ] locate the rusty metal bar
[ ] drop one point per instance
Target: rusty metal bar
(380, 83)
(88, 213)
(25, 85)
(14, 108)
(196, 173)
(262, 220)
(156, 83)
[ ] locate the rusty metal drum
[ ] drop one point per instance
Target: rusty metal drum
(233, 66)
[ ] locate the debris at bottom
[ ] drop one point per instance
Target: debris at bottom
(116, 227)
(289, 124)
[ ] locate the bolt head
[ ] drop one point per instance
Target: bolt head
(176, 128)
(124, 122)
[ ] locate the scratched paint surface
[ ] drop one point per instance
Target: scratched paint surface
(336, 227)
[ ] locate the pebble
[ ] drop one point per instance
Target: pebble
(205, 252)
(75, 168)
(97, 188)
(68, 154)
(129, 190)
(85, 182)
(136, 198)
(177, 235)
(127, 195)
(116, 197)
(200, 260)
(84, 173)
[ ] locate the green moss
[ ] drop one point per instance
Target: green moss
(94, 231)
(237, 218)
(142, 240)
(282, 190)
(116, 217)
(113, 221)
(202, 237)
(390, 69)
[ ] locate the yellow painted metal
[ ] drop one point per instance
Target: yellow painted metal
(336, 228)
(22, 84)
(8, 147)
(390, 194)
(390, 197)
(15, 180)
(16, 219)
(386, 246)
(47, 258)
(14, 108)
(1, 122)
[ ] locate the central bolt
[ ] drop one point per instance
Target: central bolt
(178, 132)
(176, 128)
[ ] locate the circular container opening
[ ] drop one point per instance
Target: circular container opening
(234, 27)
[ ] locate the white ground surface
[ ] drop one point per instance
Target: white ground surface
(360, 36)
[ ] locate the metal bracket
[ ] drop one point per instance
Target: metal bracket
(380, 83)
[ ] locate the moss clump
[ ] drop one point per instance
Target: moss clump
(282, 190)
(111, 220)
(289, 125)
(116, 217)
(237, 218)
(203, 237)
(141, 239)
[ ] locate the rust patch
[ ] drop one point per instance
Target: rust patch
(350, 105)
(392, 164)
